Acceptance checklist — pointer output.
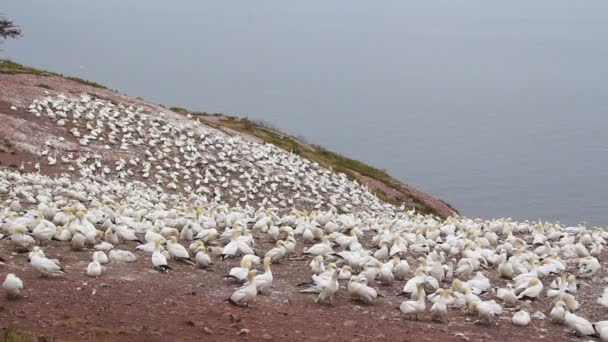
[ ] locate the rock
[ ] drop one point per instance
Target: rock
(349, 323)
(208, 331)
(244, 332)
(267, 337)
(462, 336)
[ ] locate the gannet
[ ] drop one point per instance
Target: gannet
(278, 252)
(322, 248)
(414, 306)
(100, 257)
(328, 288)
(246, 294)
(316, 265)
(439, 310)
(358, 290)
(45, 266)
(94, 269)
(558, 313)
(158, 259)
(240, 273)
(603, 300)
(264, 280)
(121, 255)
(12, 285)
(521, 317)
(486, 310)
(202, 259)
(533, 288)
(178, 251)
(581, 326)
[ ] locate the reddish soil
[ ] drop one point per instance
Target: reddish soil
(133, 302)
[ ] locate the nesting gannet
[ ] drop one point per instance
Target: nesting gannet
(588, 267)
(46, 266)
(240, 273)
(558, 313)
(12, 285)
(121, 255)
(603, 300)
(202, 259)
(316, 265)
(322, 248)
(158, 259)
(345, 273)
(414, 306)
(246, 294)
(531, 290)
(507, 295)
(521, 317)
(178, 251)
(328, 288)
(264, 281)
(94, 269)
(100, 257)
(486, 310)
(20, 241)
(359, 290)
(580, 325)
(278, 252)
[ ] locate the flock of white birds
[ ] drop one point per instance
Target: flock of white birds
(146, 185)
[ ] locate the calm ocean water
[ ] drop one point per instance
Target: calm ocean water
(500, 109)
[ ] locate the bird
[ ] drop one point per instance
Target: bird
(45, 266)
(241, 272)
(122, 255)
(202, 259)
(178, 251)
(264, 280)
(245, 295)
(94, 269)
(603, 300)
(580, 325)
(558, 312)
(158, 259)
(486, 310)
(521, 318)
(360, 291)
(414, 306)
(100, 257)
(13, 286)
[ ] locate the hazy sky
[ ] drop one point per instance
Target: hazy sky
(498, 107)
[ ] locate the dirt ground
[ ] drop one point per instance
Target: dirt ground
(133, 302)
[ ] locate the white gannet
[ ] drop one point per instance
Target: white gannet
(414, 306)
(158, 259)
(359, 290)
(94, 269)
(100, 257)
(246, 294)
(581, 326)
(122, 255)
(12, 285)
(202, 259)
(521, 317)
(558, 313)
(46, 266)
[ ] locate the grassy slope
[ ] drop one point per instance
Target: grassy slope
(12, 68)
(352, 168)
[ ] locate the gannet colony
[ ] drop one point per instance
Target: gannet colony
(143, 186)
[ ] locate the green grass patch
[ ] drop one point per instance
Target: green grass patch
(13, 68)
(44, 85)
(18, 334)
